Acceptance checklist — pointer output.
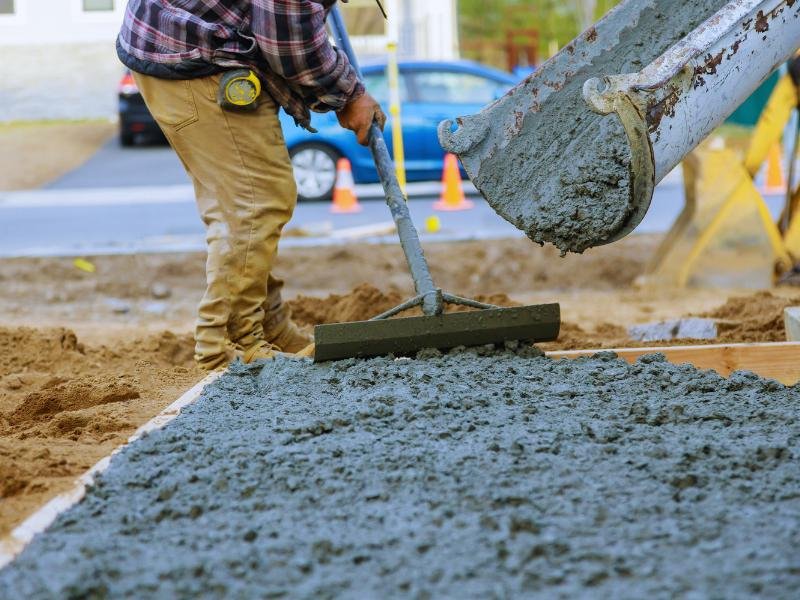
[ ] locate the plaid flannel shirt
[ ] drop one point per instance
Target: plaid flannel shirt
(284, 41)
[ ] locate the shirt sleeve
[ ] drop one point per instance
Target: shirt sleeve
(293, 41)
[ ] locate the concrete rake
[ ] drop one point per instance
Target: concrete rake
(435, 329)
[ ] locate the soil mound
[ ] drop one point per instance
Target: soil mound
(755, 318)
(12, 480)
(59, 396)
(574, 337)
(165, 349)
(741, 319)
(364, 302)
(29, 348)
(64, 405)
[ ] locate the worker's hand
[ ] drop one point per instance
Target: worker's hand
(358, 116)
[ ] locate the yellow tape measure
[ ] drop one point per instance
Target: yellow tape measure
(239, 89)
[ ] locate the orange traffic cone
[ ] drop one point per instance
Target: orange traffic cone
(775, 180)
(452, 197)
(344, 190)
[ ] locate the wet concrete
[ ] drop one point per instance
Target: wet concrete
(548, 164)
(473, 475)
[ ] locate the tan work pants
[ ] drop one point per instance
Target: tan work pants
(245, 192)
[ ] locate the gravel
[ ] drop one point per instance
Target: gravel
(475, 474)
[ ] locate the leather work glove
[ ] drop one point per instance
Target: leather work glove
(358, 115)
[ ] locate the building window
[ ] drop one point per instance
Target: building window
(97, 5)
(6, 7)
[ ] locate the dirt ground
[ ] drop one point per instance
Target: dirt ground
(64, 405)
(89, 356)
(25, 162)
(126, 292)
(756, 317)
(128, 296)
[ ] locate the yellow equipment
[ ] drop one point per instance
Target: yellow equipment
(239, 90)
(719, 186)
(771, 123)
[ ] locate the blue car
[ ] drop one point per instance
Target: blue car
(430, 92)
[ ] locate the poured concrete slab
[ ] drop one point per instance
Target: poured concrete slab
(470, 475)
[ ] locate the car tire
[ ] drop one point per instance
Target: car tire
(126, 139)
(314, 171)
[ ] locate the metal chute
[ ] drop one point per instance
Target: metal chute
(572, 154)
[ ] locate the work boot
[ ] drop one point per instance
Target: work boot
(278, 326)
(217, 362)
(260, 351)
(289, 337)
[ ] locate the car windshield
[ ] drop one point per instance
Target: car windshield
(378, 85)
(452, 87)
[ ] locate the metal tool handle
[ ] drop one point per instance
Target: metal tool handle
(431, 296)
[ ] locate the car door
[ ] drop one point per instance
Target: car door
(438, 94)
(377, 84)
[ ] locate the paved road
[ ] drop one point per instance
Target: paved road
(164, 219)
(114, 166)
(139, 200)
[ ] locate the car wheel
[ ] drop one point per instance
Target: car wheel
(314, 171)
(126, 139)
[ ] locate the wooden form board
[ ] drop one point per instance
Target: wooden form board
(777, 360)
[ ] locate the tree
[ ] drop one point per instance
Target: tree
(585, 9)
(484, 24)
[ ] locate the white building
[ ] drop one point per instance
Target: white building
(422, 28)
(34, 22)
(57, 57)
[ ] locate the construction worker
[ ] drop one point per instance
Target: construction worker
(179, 54)
(783, 101)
